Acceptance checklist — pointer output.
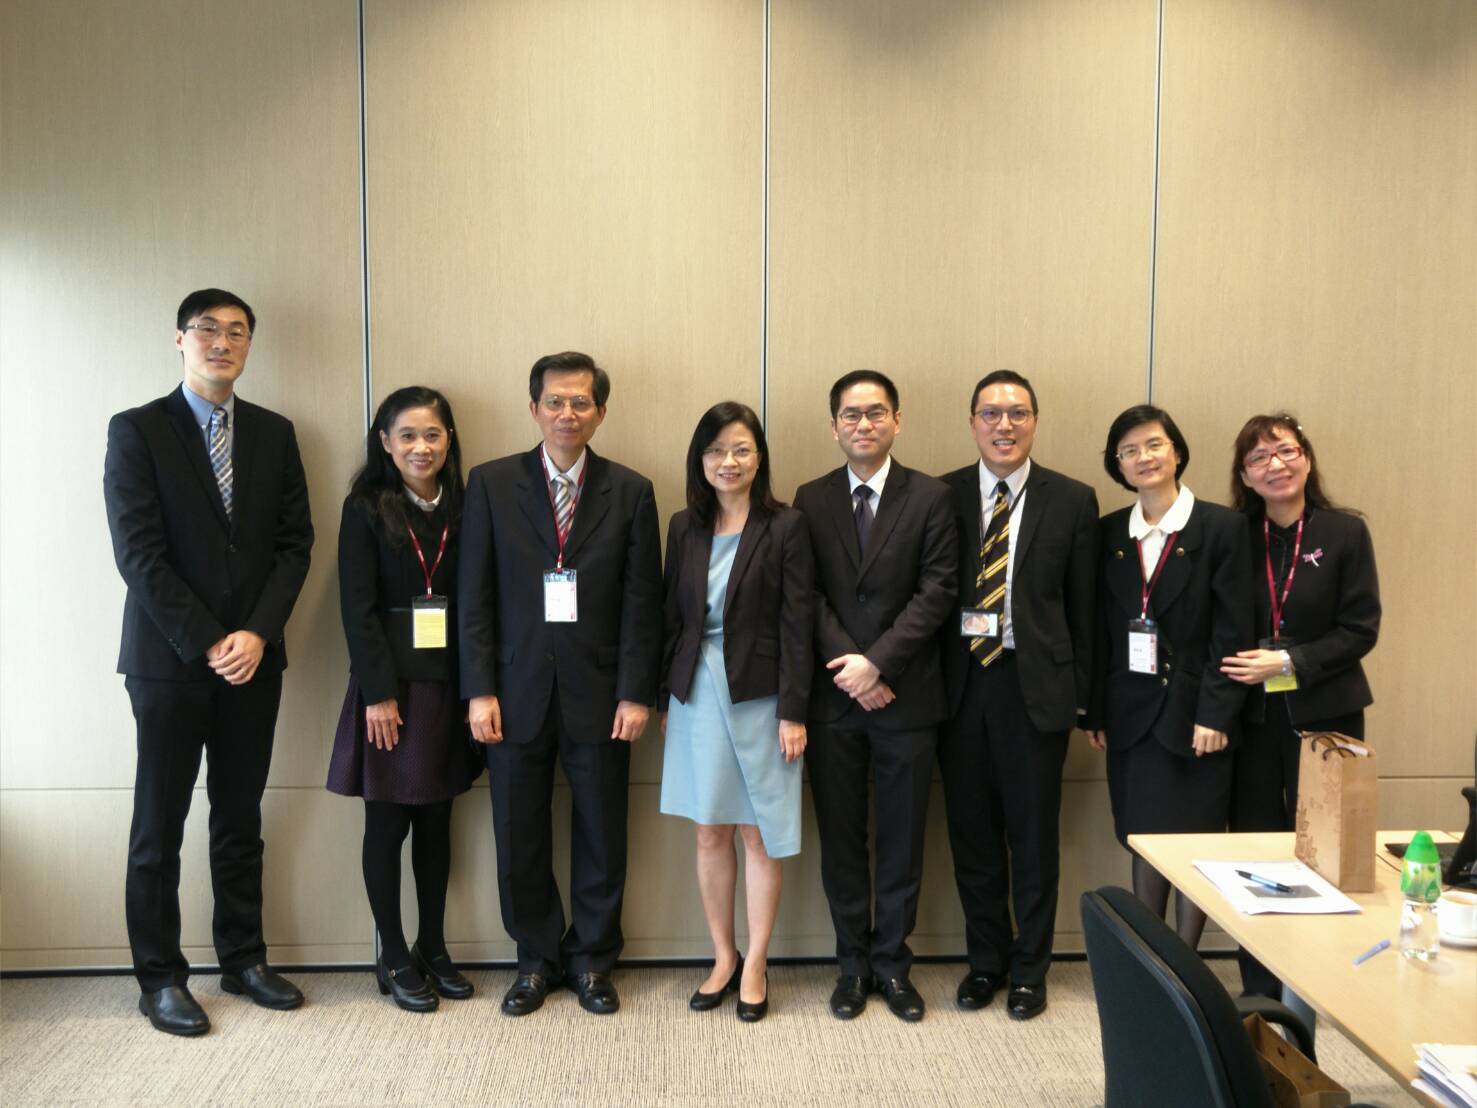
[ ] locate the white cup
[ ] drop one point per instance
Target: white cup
(1456, 914)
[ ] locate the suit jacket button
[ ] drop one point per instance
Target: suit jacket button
(1117, 553)
(231, 548)
(1164, 680)
(861, 598)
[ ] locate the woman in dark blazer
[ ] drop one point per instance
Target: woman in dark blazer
(402, 741)
(1313, 565)
(1176, 585)
(737, 667)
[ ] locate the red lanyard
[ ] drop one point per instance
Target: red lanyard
(574, 499)
(445, 531)
(1147, 584)
(1278, 603)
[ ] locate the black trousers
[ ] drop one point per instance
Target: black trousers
(1264, 794)
(521, 777)
(1003, 792)
(844, 758)
(176, 721)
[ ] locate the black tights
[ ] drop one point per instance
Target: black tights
(385, 828)
(1152, 887)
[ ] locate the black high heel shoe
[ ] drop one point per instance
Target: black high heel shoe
(753, 1013)
(440, 974)
(406, 987)
(706, 1002)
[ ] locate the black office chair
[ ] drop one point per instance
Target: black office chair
(1171, 1032)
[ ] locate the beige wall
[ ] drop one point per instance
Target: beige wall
(951, 187)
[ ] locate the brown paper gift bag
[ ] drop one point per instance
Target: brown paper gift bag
(1293, 1081)
(1337, 792)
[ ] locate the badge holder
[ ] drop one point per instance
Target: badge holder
(1278, 682)
(561, 596)
(428, 622)
(979, 623)
(1143, 646)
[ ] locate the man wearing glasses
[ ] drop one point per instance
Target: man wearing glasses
(560, 634)
(1018, 660)
(885, 558)
(208, 510)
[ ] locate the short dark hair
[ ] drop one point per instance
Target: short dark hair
(202, 300)
(701, 498)
(1260, 427)
(1002, 377)
(571, 361)
(377, 485)
(1137, 416)
(863, 377)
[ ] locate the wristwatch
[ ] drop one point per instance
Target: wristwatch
(1286, 664)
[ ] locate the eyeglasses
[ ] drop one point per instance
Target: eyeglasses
(580, 405)
(1131, 453)
(850, 417)
(210, 331)
(1017, 416)
(1287, 453)
(740, 454)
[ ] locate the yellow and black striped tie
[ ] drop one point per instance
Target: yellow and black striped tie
(990, 584)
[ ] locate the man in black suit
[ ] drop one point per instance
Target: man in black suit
(561, 637)
(208, 511)
(1018, 662)
(883, 537)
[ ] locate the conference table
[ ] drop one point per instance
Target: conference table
(1386, 1005)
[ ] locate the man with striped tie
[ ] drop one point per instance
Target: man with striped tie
(208, 510)
(1018, 663)
(561, 634)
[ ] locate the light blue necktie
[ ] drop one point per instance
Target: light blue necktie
(220, 455)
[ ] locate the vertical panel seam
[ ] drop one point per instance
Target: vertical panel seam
(764, 237)
(364, 225)
(1154, 205)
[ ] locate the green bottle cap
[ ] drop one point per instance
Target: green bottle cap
(1422, 850)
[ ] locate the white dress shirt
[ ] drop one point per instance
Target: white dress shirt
(1015, 486)
(427, 506)
(573, 473)
(874, 482)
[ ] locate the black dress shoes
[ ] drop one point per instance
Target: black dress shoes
(849, 997)
(706, 1002)
(406, 987)
(753, 1013)
(264, 986)
(1026, 1001)
(441, 974)
(905, 1001)
(527, 994)
(173, 1010)
(597, 993)
(976, 991)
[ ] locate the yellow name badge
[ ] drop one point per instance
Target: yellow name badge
(1282, 682)
(428, 622)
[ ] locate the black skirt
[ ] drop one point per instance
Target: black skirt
(1156, 792)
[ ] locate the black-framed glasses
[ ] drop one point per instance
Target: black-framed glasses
(210, 330)
(850, 417)
(1017, 415)
(1287, 453)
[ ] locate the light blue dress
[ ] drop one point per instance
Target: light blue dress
(722, 762)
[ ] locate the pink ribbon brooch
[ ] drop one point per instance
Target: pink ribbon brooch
(1313, 557)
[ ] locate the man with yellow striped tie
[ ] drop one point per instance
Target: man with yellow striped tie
(1018, 668)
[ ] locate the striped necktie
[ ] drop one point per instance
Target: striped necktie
(220, 456)
(563, 504)
(990, 584)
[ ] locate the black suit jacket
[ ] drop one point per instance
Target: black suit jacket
(1332, 616)
(508, 543)
(887, 604)
(378, 577)
(767, 611)
(193, 575)
(1052, 594)
(1202, 605)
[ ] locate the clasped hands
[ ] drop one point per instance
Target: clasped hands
(862, 681)
(235, 658)
(485, 714)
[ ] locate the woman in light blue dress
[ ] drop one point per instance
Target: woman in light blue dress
(737, 666)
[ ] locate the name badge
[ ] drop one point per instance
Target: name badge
(561, 598)
(976, 623)
(1279, 682)
(428, 622)
(1143, 646)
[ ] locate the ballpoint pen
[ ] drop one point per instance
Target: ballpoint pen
(1264, 882)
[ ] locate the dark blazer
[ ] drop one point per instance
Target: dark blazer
(889, 604)
(767, 611)
(194, 576)
(508, 543)
(1052, 595)
(378, 577)
(1202, 607)
(1332, 617)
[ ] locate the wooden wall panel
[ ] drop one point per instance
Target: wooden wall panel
(1317, 222)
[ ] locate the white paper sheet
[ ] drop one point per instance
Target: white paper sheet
(1311, 895)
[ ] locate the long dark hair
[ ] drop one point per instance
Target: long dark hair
(1259, 427)
(379, 486)
(701, 497)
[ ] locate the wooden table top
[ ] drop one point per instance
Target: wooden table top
(1388, 1004)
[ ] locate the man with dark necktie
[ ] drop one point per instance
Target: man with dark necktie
(884, 544)
(208, 510)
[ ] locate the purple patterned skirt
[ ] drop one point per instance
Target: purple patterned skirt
(433, 761)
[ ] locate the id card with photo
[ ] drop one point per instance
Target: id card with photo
(1143, 646)
(1279, 682)
(561, 597)
(977, 623)
(428, 622)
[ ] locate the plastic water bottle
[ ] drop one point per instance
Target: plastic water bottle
(1420, 884)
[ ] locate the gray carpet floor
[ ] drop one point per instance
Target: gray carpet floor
(82, 1041)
